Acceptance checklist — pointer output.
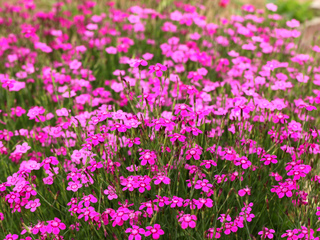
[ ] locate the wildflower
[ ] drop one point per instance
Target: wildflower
(244, 191)
(154, 231)
(243, 161)
(204, 185)
(74, 186)
(188, 220)
(135, 232)
(267, 159)
(11, 237)
(158, 68)
(111, 192)
(32, 205)
(54, 226)
(193, 153)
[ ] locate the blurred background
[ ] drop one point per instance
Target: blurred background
(306, 11)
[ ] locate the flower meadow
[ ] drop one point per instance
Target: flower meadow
(138, 123)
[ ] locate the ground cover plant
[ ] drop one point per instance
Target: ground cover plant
(144, 124)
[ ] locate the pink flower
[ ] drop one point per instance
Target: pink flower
(193, 153)
(87, 213)
(155, 231)
(111, 50)
(111, 192)
(135, 232)
(75, 64)
(158, 68)
(32, 205)
(188, 220)
(243, 161)
(204, 185)
(203, 202)
(11, 237)
(74, 186)
(272, 7)
(140, 62)
(244, 191)
(150, 207)
(266, 233)
(55, 225)
(293, 23)
(267, 159)
(22, 148)
(47, 162)
(148, 157)
(177, 136)
(161, 178)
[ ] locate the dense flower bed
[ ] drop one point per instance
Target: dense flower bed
(138, 124)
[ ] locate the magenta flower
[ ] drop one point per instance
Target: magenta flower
(204, 185)
(22, 148)
(140, 62)
(299, 171)
(32, 205)
(208, 163)
(267, 159)
(266, 233)
(135, 232)
(75, 64)
(88, 199)
(174, 202)
(193, 153)
(47, 162)
(161, 178)
(177, 136)
(158, 68)
(150, 207)
(243, 161)
(203, 202)
(244, 191)
(148, 157)
(111, 192)
(87, 213)
(74, 186)
(54, 226)
(188, 220)
(11, 237)
(155, 231)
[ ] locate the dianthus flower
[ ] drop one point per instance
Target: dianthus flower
(154, 231)
(267, 159)
(158, 68)
(135, 232)
(54, 226)
(266, 233)
(244, 191)
(32, 205)
(188, 220)
(204, 185)
(243, 161)
(193, 153)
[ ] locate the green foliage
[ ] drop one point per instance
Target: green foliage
(294, 9)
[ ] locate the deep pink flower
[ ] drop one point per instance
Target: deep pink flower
(155, 231)
(193, 153)
(158, 68)
(11, 237)
(243, 161)
(188, 220)
(267, 159)
(32, 205)
(135, 232)
(74, 186)
(54, 226)
(244, 191)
